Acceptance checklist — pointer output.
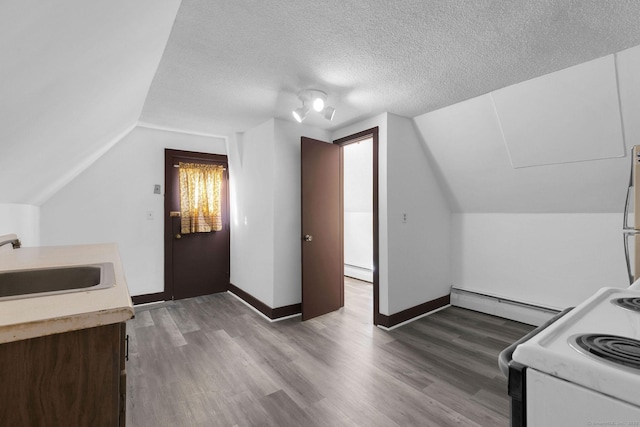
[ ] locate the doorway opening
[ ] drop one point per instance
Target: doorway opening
(322, 214)
(359, 168)
(358, 226)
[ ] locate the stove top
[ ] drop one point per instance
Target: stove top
(596, 345)
(622, 351)
(630, 303)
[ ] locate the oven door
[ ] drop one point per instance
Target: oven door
(516, 373)
(555, 402)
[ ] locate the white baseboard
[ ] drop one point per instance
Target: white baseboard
(496, 306)
(359, 273)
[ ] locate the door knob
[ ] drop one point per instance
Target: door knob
(308, 237)
(178, 236)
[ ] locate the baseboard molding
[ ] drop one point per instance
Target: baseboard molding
(365, 274)
(271, 313)
(413, 312)
(147, 298)
(139, 308)
(530, 314)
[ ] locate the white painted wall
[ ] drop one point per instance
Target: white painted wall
(265, 234)
(252, 176)
(109, 201)
(415, 264)
(23, 220)
(548, 234)
(358, 210)
(420, 249)
(266, 237)
(551, 260)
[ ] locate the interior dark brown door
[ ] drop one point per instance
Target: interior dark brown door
(322, 248)
(195, 263)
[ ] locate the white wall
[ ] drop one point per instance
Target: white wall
(265, 236)
(109, 201)
(550, 260)
(415, 257)
(252, 176)
(358, 210)
(546, 234)
(23, 220)
(420, 249)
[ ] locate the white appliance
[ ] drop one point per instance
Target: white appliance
(584, 369)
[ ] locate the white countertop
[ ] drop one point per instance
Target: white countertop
(46, 315)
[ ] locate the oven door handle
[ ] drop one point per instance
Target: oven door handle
(506, 355)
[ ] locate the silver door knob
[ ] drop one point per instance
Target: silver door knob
(308, 237)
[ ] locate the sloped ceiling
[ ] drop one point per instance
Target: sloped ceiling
(468, 146)
(73, 79)
(230, 66)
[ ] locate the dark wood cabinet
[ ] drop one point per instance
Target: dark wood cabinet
(75, 378)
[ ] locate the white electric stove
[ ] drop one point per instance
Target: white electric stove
(584, 368)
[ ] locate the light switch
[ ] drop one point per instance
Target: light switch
(157, 189)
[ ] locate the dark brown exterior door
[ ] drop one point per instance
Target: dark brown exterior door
(196, 263)
(322, 248)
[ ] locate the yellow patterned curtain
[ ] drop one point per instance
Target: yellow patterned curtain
(200, 187)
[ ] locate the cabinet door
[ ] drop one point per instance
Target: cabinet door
(63, 379)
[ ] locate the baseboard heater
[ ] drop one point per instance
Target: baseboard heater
(502, 307)
(357, 272)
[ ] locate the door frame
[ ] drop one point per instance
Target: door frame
(169, 153)
(351, 139)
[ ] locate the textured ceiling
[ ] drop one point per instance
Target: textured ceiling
(229, 66)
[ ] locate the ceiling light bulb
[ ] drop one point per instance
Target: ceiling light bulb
(318, 104)
(299, 114)
(328, 113)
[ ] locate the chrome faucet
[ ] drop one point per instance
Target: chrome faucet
(14, 242)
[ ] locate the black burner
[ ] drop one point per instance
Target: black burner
(630, 303)
(620, 350)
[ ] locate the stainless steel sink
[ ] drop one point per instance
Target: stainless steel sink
(56, 280)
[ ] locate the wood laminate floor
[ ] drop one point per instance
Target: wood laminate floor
(212, 361)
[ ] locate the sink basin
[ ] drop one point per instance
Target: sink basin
(55, 280)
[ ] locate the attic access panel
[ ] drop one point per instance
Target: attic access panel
(571, 115)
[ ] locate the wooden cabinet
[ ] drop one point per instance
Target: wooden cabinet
(76, 378)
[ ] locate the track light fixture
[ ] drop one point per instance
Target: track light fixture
(301, 113)
(316, 99)
(329, 112)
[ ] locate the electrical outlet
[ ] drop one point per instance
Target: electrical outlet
(404, 218)
(157, 189)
